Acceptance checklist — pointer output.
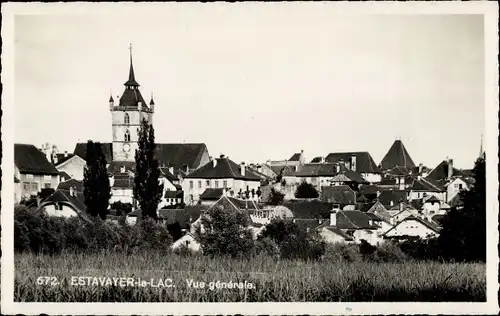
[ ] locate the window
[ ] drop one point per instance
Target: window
(47, 185)
(127, 136)
(26, 186)
(29, 176)
(199, 184)
(460, 186)
(216, 184)
(34, 187)
(188, 242)
(47, 178)
(224, 184)
(455, 185)
(191, 184)
(126, 119)
(208, 183)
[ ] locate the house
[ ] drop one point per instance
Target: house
(456, 185)
(433, 206)
(422, 187)
(350, 226)
(402, 211)
(66, 203)
(295, 160)
(379, 210)
(212, 195)
(383, 223)
(445, 172)
(70, 164)
(361, 162)
(413, 226)
(221, 173)
(342, 195)
(33, 171)
(397, 156)
(390, 198)
(188, 241)
(264, 171)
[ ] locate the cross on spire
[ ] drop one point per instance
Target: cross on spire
(131, 76)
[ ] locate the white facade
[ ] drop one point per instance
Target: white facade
(372, 177)
(331, 237)
(124, 195)
(411, 227)
(74, 167)
(415, 195)
(193, 187)
(59, 210)
(454, 187)
(32, 184)
(187, 241)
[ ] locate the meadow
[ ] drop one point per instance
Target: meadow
(327, 280)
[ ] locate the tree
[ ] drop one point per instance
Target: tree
(147, 189)
(275, 197)
(306, 191)
(225, 232)
(97, 191)
(463, 237)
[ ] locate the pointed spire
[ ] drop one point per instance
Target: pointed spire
(481, 150)
(152, 102)
(111, 98)
(131, 76)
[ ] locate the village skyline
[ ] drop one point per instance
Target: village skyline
(260, 92)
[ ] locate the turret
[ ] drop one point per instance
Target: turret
(152, 104)
(111, 102)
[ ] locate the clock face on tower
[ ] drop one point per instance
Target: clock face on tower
(126, 148)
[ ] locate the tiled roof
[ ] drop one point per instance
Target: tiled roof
(341, 194)
(354, 220)
(441, 172)
(427, 184)
(176, 155)
(364, 161)
(224, 169)
(394, 196)
(427, 223)
(63, 196)
(81, 149)
(114, 167)
(66, 185)
(438, 219)
(29, 159)
(62, 158)
(397, 156)
(131, 98)
(316, 170)
(432, 198)
(167, 174)
(387, 181)
(308, 209)
(379, 209)
(174, 194)
(334, 229)
(398, 171)
(316, 159)
(417, 204)
(295, 157)
(212, 194)
(64, 175)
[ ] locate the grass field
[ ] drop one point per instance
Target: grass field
(272, 280)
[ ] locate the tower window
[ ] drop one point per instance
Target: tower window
(126, 119)
(127, 136)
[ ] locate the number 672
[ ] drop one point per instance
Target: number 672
(45, 280)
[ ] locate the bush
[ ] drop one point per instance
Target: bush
(306, 191)
(389, 252)
(342, 252)
(267, 247)
(36, 232)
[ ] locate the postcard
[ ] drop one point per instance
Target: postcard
(249, 158)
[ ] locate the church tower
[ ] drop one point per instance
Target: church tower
(127, 113)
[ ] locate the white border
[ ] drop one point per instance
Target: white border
(490, 11)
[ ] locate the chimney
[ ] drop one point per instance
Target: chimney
(450, 168)
(322, 159)
(190, 219)
(242, 169)
(333, 217)
(54, 158)
(420, 168)
(337, 167)
(353, 163)
(370, 222)
(400, 206)
(378, 193)
(72, 191)
(320, 221)
(259, 168)
(65, 153)
(392, 203)
(171, 169)
(122, 169)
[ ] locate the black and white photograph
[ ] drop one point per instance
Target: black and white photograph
(293, 152)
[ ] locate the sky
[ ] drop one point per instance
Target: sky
(260, 83)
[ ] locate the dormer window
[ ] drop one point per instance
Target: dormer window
(122, 169)
(126, 119)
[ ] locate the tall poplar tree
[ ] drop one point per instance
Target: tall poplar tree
(147, 189)
(97, 191)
